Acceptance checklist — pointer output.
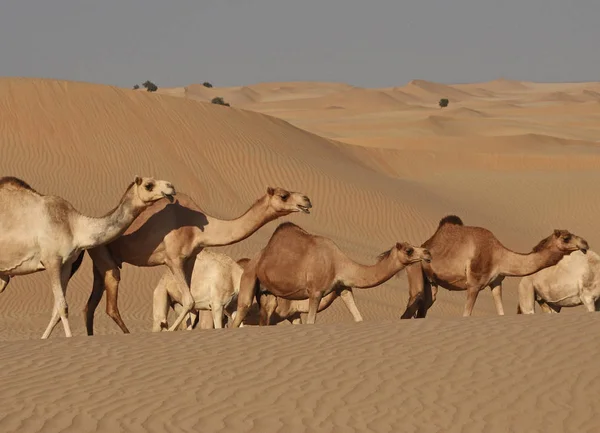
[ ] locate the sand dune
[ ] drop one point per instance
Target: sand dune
(380, 166)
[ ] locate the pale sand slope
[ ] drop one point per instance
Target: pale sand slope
(434, 375)
(384, 165)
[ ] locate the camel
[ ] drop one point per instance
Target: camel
(275, 309)
(45, 232)
(297, 265)
(573, 281)
(172, 234)
(472, 258)
(214, 285)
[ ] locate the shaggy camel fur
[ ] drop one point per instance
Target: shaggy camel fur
(573, 281)
(471, 258)
(172, 235)
(297, 265)
(215, 284)
(45, 232)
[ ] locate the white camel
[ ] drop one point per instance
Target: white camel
(45, 232)
(214, 287)
(573, 281)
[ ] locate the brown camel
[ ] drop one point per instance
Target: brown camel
(297, 265)
(172, 234)
(273, 309)
(471, 258)
(45, 232)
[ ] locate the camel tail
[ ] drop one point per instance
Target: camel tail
(77, 263)
(451, 219)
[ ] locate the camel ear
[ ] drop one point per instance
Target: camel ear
(398, 245)
(557, 233)
(270, 190)
(138, 180)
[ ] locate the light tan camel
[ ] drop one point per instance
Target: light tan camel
(172, 235)
(297, 265)
(471, 258)
(573, 281)
(215, 284)
(44, 232)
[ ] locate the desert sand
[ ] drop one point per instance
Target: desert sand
(380, 166)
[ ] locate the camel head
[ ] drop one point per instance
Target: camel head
(567, 242)
(284, 202)
(405, 253)
(149, 190)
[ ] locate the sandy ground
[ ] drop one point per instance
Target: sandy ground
(380, 166)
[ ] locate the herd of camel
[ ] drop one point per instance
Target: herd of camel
(296, 272)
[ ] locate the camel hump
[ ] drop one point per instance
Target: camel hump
(287, 225)
(16, 183)
(451, 219)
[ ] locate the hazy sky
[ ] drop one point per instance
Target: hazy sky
(372, 43)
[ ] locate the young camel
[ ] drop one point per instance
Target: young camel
(215, 284)
(573, 281)
(172, 234)
(297, 265)
(471, 258)
(45, 232)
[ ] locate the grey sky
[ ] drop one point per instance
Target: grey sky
(372, 43)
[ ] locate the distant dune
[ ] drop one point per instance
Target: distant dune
(380, 166)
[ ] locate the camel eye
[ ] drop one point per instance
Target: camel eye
(149, 186)
(284, 197)
(567, 239)
(409, 251)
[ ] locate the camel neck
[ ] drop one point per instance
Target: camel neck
(94, 231)
(364, 276)
(520, 265)
(225, 232)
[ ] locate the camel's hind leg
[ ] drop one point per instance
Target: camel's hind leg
(248, 286)
(4, 280)
(348, 297)
(217, 315)
(59, 279)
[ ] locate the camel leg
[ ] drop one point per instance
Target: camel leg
(182, 271)
(472, 293)
(193, 318)
(313, 306)
(268, 305)
(4, 280)
(248, 286)
(414, 273)
(348, 297)
(160, 308)
(589, 303)
(497, 294)
(217, 315)
(59, 278)
(111, 286)
(526, 295)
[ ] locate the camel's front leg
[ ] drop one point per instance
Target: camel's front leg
(472, 293)
(182, 271)
(217, 315)
(4, 280)
(160, 308)
(414, 274)
(497, 294)
(248, 286)
(59, 276)
(348, 298)
(313, 307)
